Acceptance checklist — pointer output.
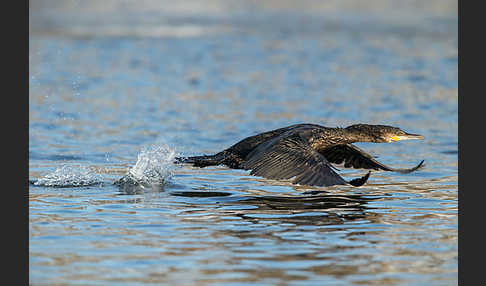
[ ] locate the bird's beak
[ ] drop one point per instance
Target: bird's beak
(407, 136)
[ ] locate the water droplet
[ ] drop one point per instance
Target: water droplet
(70, 176)
(154, 164)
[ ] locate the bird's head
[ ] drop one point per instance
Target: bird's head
(379, 133)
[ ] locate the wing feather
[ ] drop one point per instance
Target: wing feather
(292, 157)
(353, 156)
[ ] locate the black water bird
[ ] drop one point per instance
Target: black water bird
(305, 152)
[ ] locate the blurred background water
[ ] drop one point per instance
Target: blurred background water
(119, 87)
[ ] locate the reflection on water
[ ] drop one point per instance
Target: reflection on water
(114, 95)
(175, 236)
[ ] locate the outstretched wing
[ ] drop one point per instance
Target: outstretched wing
(357, 158)
(288, 157)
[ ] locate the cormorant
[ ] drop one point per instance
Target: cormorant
(305, 152)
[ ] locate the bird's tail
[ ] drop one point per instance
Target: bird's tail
(202, 161)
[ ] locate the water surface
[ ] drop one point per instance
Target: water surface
(106, 100)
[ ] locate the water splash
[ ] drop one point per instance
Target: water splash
(70, 176)
(153, 167)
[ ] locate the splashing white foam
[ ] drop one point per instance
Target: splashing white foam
(70, 176)
(154, 164)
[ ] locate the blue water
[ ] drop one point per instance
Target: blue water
(107, 100)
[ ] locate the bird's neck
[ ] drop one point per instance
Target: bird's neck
(328, 137)
(353, 136)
